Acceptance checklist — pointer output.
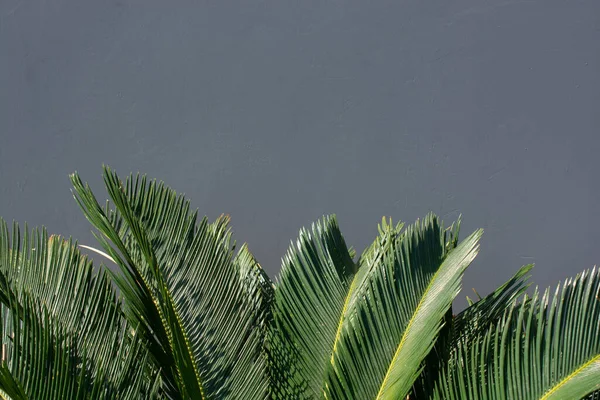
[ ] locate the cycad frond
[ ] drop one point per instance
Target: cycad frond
(437, 356)
(309, 308)
(398, 317)
(43, 360)
(182, 287)
(341, 325)
(259, 288)
(259, 292)
(542, 348)
(63, 333)
(478, 317)
(465, 327)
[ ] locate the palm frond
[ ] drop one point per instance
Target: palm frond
(62, 331)
(466, 326)
(398, 317)
(259, 288)
(436, 359)
(310, 300)
(542, 348)
(182, 287)
(42, 360)
(371, 259)
(477, 318)
(259, 298)
(322, 296)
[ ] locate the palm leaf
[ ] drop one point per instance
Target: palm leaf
(542, 348)
(487, 311)
(41, 360)
(258, 286)
(437, 356)
(467, 325)
(181, 285)
(63, 333)
(311, 298)
(259, 292)
(318, 288)
(321, 290)
(382, 350)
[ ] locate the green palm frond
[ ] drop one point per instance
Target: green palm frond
(371, 259)
(311, 299)
(56, 274)
(399, 315)
(259, 292)
(316, 293)
(182, 287)
(259, 288)
(465, 327)
(440, 351)
(318, 290)
(542, 348)
(43, 360)
(477, 318)
(62, 332)
(196, 318)
(331, 315)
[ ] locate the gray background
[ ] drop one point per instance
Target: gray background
(280, 111)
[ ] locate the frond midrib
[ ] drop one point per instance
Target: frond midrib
(338, 333)
(168, 324)
(350, 295)
(568, 378)
(188, 348)
(405, 334)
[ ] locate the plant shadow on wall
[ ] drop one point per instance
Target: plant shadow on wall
(196, 318)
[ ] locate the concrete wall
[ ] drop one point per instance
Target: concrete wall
(280, 111)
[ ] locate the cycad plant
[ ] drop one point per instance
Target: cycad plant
(186, 315)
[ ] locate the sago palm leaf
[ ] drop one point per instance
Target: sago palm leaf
(381, 353)
(318, 289)
(372, 258)
(466, 325)
(56, 274)
(182, 287)
(321, 291)
(311, 299)
(258, 286)
(41, 360)
(63, 333)
(480, 315)
(542, 348)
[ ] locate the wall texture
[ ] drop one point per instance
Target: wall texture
(280, 111)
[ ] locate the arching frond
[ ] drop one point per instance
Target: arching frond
(332, 315)
(542, 348)
(182, 287)
(466, 326)
(259, 298)
(259, 288)
(440, 351)
(43, 360)
(316, 285)
(62, 331)
(398, 317)
(478, 317)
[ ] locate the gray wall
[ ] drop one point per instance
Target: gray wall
(280, 111)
